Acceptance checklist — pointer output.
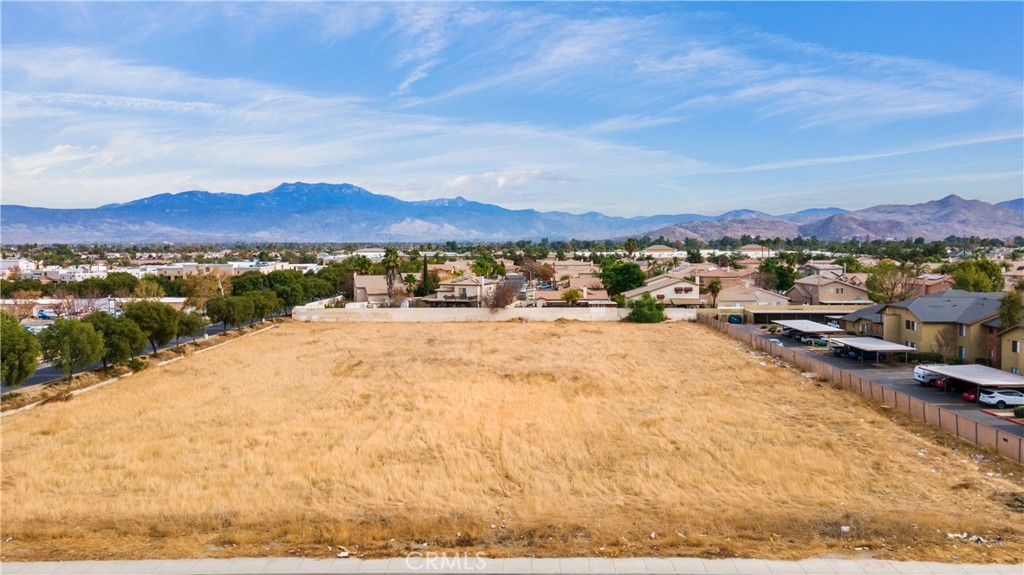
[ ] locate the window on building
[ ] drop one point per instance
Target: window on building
(1015, 370)
(863, 328)
(910, 344)
(1015, 346)
(910, 324)
(839, 290)
(962, 330)
(660, 296)
(961, 352)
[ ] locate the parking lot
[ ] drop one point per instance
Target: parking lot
(899, 377)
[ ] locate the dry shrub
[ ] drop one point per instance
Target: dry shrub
(567, 438)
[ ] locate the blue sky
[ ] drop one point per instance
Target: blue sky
(623, 108)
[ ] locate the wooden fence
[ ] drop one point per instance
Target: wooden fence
(1004, 443)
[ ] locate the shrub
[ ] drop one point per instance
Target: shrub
(646, 310)
(136, 364)
(1018, 412)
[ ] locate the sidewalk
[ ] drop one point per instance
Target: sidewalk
(468, 563)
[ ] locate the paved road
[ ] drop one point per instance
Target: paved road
(47, 374)
(899, 377)
(468, 563)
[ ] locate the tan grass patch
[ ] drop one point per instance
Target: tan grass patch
(569, 438)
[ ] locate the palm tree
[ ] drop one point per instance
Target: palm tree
(391, 263)
(714, 288)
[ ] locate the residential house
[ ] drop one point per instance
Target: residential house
(951, 323)
(670, 290)
(746, 294)
(1011, 349)
(865, 322)
(821, 267)
(822, 290)
(756, 251)
(660, 252)
(464, 291)
(928, 284)
(373, 289)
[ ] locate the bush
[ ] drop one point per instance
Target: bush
(646, 310)
(924, 357)
(1018, 412)
(136, 364)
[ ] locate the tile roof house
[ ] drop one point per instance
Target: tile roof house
(746, 295)
(670, 290)
(823, 290)
(866, 322)
(373, 288)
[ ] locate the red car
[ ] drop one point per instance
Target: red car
(970, 395)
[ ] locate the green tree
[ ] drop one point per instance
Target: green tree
(694, 256)
(120, 284)
(571, 296)
(391, 262)
(776, 275)
(714, 288)
(71, 344)
(978, 276)
(19, 351)
(888, 282)
(122, 337)
(264, 302)
(630, 247)
(619, 277)
(230, 310)
(290, 296)
(1010, 308)
(646, 309)
(158, 321)
(191, 324)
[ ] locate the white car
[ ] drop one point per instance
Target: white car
(776, 341)
(925, 377)
(1001, 397)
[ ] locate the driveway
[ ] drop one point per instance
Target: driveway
(899, 377)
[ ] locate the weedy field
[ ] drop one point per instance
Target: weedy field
(513, 439)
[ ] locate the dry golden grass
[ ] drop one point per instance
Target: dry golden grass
(516, 439)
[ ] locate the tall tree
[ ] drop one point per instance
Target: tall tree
(978, 276)
(619, 277)
(776, 275)
(122, 337)
(714, 288)
(148, 290)
(630, 247)
(19, 351)
(71, 344)
(191, 324)
(198, 288)
(391, 261)
(889, 282)
(1010, 308)
(157, 320)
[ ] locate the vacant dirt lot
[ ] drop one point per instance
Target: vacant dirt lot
(515, 439)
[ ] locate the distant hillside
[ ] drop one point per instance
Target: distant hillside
(301, 212)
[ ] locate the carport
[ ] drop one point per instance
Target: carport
(808, 326)
(872, 345)
(978, 375)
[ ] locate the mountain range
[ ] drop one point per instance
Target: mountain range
(301, 212)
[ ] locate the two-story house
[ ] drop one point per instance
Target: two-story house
(825, 290)
(950, 323)
(668, 289)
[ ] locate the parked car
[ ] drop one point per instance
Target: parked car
(834, 324)
(839, 350)
(970, 395)
(1001, 397)
(776, 341)
(925, 377)
(815, 340)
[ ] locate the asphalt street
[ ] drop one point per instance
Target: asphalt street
(899, 377)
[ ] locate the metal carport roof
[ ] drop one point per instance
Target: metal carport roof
(807, 326)
(870, 344)
(977, 374)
